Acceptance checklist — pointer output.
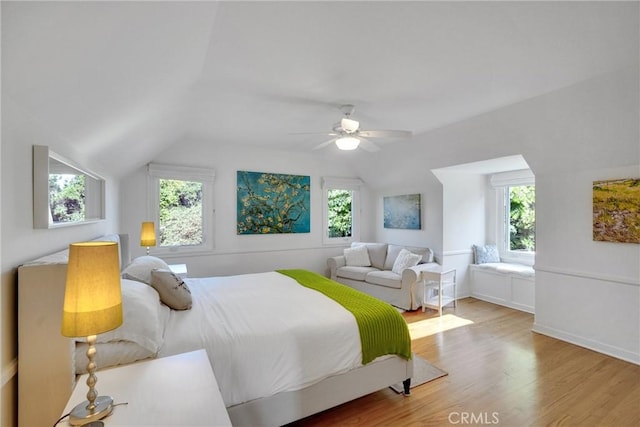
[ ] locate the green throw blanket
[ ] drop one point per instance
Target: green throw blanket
(382, 329)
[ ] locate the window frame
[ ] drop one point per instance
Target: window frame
(156, 172)
(350, 184)
(501, 183)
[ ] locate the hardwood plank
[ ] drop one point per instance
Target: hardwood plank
(500, 372)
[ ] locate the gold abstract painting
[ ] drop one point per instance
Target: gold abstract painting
(616, 210)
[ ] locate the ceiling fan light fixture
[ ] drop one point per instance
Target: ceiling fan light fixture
(347, 143)
(349, 125)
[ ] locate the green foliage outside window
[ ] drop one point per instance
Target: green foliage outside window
(66, 197)
(180, 213)
(340, 218)
(522, 218)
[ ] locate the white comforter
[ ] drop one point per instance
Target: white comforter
(264, 334)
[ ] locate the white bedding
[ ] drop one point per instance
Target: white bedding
(237, 319)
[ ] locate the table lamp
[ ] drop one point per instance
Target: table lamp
(92, 305)
(148, 235)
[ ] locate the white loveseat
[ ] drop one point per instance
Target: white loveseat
(404, 290)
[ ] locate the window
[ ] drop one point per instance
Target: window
(180, 213)
(341, 213)
(181, 203)
(340, 221)
(64, 193)
(516, 219)
(522, 217)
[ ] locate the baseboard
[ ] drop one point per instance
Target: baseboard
(9, 371)
(609, 350)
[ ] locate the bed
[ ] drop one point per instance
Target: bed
(320, 360)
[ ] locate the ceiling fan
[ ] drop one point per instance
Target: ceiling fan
(348, 135)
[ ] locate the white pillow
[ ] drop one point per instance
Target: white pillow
(357, 257)
(405, 260)
(140, 268)
(143, 317)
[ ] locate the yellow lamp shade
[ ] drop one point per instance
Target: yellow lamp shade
(92, 297)
(148, 234)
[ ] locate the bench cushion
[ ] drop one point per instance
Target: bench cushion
(508, 268)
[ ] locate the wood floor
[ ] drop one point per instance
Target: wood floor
(500, 373)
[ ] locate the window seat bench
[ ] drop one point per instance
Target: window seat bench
(508, 284)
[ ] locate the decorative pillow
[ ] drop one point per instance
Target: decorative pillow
(172, 289)
(357, 257)
(144, 317)
(140, 268)
(486, 253)
(405, 260)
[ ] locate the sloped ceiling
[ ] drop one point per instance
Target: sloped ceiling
(108, 78)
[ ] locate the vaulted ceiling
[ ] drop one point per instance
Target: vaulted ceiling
(106, 78)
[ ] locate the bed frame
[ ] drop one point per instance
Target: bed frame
(46, 374)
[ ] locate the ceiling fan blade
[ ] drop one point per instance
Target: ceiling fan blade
(368, 145)
(314, 133)
(324, 144)
(385, 133)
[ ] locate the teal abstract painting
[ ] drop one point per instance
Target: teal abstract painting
(272, 203)
(402, 212)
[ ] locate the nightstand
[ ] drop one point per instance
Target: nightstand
(178, 390)
(179, 270)
(439, 288)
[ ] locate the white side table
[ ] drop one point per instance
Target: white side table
(179, 390)
(179, 270)
(439, 288)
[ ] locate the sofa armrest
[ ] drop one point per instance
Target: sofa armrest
(412, 274)
(335, 263)
(411, 280)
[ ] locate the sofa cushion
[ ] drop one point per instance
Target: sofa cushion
(357, 257)
(354, 273)
(394, 250)
(377, 253)
(385, 278)
(405, 260)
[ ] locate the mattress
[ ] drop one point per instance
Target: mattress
(237, 319)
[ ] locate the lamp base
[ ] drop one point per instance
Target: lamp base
(80, 415)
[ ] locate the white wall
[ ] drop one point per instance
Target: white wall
(233, 253)
(464, 222)
(587, 292)
(20, 241)
(430, 190)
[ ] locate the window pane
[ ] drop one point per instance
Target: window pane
(181, 215)
(522, 218)
(340, 218)
(66, 197)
